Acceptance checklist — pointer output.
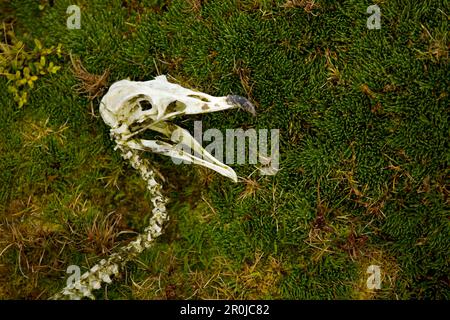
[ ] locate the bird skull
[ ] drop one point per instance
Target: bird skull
(123, 108)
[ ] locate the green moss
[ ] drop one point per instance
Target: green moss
(364, 129)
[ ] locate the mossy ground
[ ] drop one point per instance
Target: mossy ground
(363, 117)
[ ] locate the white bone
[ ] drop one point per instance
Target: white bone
(121, 109)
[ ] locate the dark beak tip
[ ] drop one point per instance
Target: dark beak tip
(243, 103)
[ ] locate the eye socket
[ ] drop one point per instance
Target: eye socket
(145, 105)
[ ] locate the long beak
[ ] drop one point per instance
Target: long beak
(167, 149)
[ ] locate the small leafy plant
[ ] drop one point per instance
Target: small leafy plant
(21, 66)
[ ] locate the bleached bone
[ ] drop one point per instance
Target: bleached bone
(121, 109)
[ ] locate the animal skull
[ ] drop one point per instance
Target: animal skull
(123, 109)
